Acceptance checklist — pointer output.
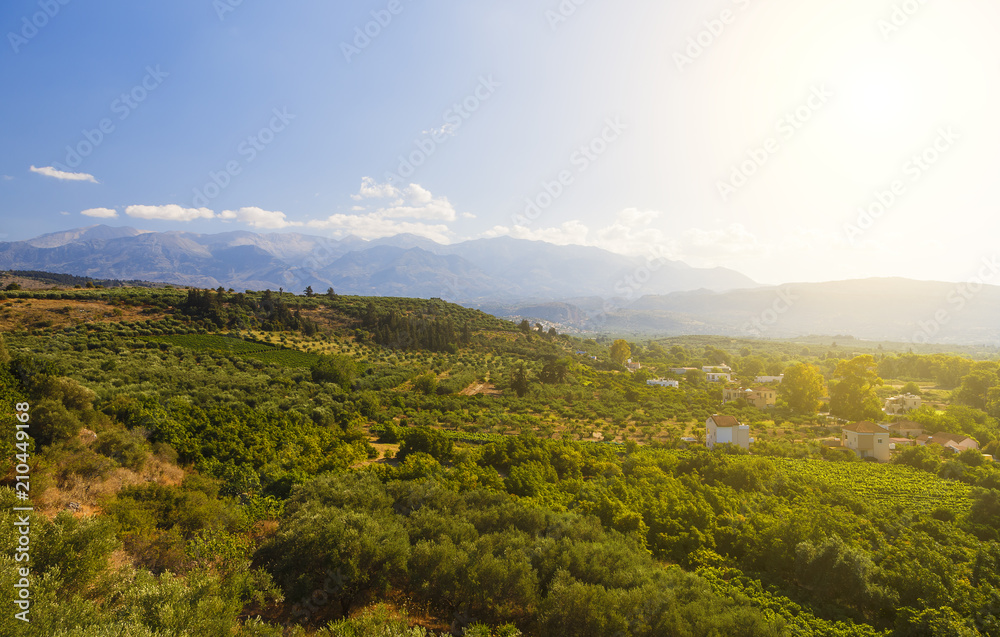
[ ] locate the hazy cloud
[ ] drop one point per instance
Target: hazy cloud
(169, 213)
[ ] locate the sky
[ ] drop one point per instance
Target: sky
(790, 140)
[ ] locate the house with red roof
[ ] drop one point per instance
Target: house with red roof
(726, 430)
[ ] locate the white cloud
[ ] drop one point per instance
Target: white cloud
(374, 227)
(169, 213)
(630, 233)
(388, 210)
(8, 178)
(100, 213)
(258, 218)
(411, 202)
(49, 171)
(370, 189)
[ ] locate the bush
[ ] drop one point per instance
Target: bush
(127, 448)
(426, 440)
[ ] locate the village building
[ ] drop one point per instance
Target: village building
(867, 440)
(726, 430)
(761, 397)
(955, 442)
(906, 429)
(902, 404)
(661, 382)
(769, 379)
(718, 373)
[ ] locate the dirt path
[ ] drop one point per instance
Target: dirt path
(480, 388)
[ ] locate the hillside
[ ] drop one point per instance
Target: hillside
(234, 463)
(899, 310)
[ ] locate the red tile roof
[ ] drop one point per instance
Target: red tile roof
(725, 421)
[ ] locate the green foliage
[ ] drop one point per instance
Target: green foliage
(426, 383)
(853, 397)
(911, 388)
(620, 351)
(338, 369)
(426, 440)
(802, 387)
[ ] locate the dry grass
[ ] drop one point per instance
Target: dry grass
(59, 313)
(90, 493)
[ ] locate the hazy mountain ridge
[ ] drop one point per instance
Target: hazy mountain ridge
(405, 265)
(893, 309)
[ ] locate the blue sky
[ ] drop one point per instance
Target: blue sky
(733, 133)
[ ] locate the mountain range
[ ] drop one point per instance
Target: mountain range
(483, 270)
(575, 287)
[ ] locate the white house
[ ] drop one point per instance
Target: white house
(770, 379)
(718, 373)
(660, 382)
(726, 429)
(902, 404)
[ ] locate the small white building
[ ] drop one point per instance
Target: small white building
(726, 430)
(661, 382)
(770, 379)
(680, 371)
(902, 404)
(718, 373)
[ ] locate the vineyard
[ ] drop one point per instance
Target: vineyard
(885, 485)
(238, 347)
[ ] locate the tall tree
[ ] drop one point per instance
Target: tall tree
(620, 351)
(852, 396)
(976, 385)
(519, 380)
(802, 388)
